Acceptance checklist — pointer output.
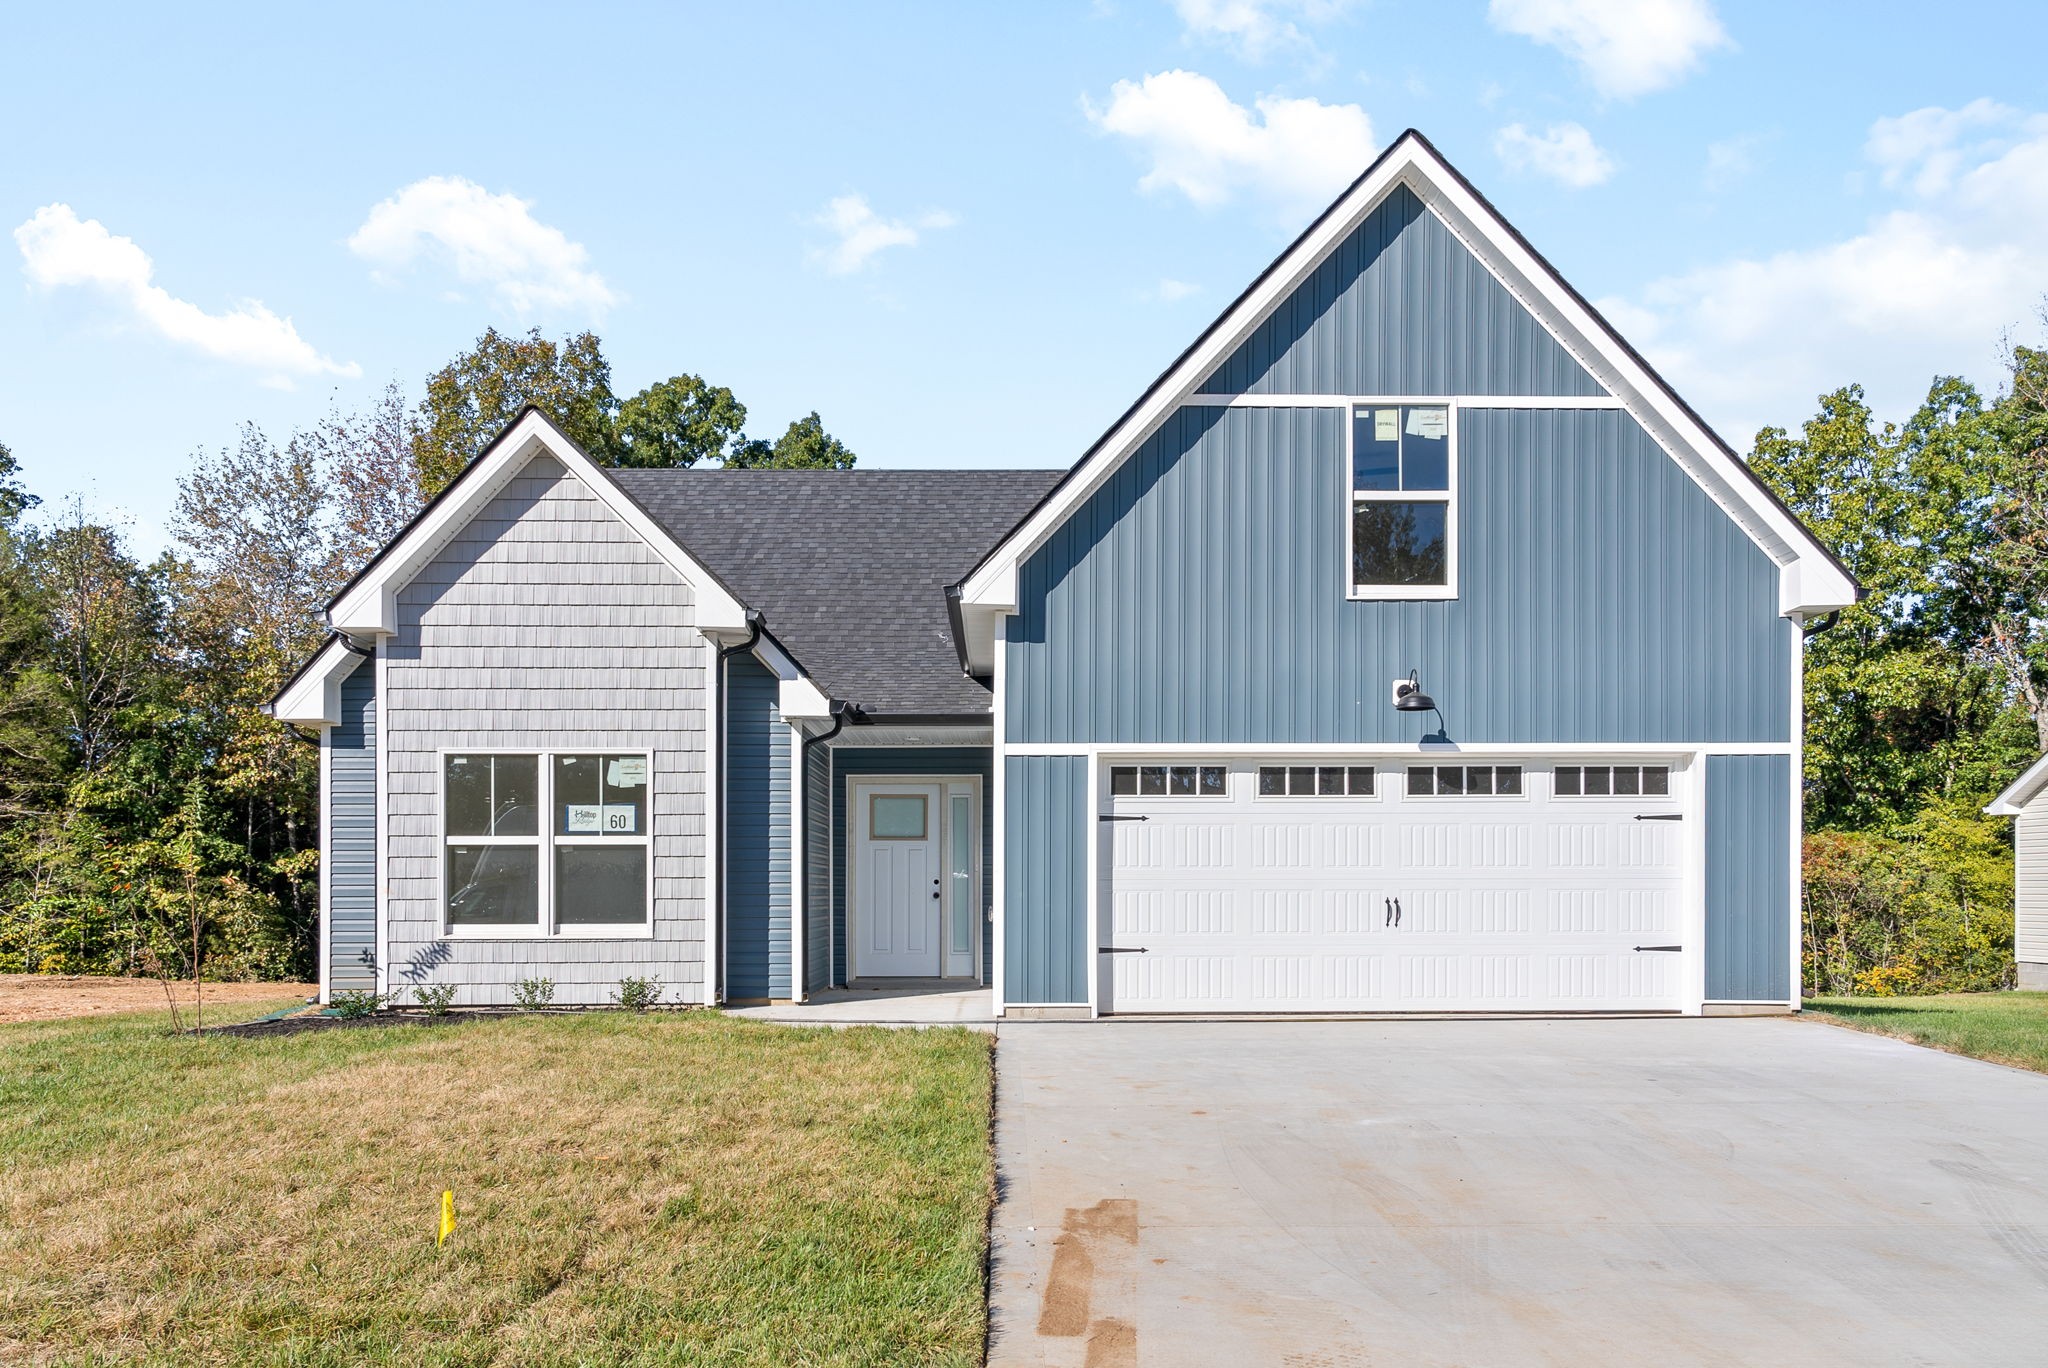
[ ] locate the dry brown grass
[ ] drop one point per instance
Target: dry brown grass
(53, 997)
(631, 1189)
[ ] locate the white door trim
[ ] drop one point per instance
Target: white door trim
(857, 787)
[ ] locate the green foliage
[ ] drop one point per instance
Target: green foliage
(436, 999)
(533, 994)
(637, 994)
(677, 422)
(805, 446)
(1926, 698)
(14, 499)
(354, 1003)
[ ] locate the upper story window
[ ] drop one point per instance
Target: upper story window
(1403, 532)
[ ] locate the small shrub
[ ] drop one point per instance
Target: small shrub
(437, 999)
(532, 994)
(637, 994)
(355, 1002)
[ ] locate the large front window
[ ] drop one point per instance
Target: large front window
(583, 868)
(1402, 531)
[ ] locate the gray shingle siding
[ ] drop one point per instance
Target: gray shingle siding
(757, 834)
(546, 623)
(351, 844)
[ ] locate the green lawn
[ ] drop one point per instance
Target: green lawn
(660, 1189)
(2009, 1028)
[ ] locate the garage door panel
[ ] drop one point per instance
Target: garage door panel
(1517, 902)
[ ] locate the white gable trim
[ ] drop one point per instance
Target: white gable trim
(313, 698)
(1810, 582)
(2021, 791)
(368, 608)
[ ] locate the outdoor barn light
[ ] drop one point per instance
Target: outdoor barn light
(1409, 697)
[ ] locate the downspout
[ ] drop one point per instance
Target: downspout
(841, 710)
(1817, 628)
(714, 973)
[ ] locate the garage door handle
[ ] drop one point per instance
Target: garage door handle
(1660, 816)
(1667, 949)
(1119, 817)
(1123, 949)
(1393, 912)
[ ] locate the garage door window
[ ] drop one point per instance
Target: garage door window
(1167, 781)
(1315, 781)
(1464, 781)
(1613, 781)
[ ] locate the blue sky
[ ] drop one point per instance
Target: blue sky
(967, 235)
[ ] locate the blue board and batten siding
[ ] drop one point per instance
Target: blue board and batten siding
(351, 843)
(1047, 823)
(757, 835)
(859, 762)
(1400, 308)
(1749, 878)
(1199, 596)
(817, 861)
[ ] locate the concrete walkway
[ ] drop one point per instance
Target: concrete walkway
(1655, 1192)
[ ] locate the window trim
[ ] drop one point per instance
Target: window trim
(545, 927)
(1379, 773)
(1520, 766)
(1371, 593)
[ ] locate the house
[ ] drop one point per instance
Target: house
(1407, 646)
(2025, 803)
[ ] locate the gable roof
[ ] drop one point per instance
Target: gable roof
(2020, 791)
(367, 606)
(849, 568)
(1812, 579)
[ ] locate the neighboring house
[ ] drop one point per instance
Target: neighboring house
(1132, 737)
(2026, 802)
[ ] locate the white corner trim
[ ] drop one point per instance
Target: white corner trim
(2020, 791)
(1809, 580)
(313, 699)
(369, 607)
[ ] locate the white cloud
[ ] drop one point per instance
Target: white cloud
(1565, 152)
(1625, 47)
(1928, 286)
(1255, 29)
(60, 249)
(1170, 291)
(1730, 160)
(1295, 153)
(492, 242)
(863, 234)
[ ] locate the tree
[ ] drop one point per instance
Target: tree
(677, 422)
(14, 500)
(472, 398)
(372, 475)
(2013, 574)
(805, 446)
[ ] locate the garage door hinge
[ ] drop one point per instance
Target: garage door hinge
(1668, 949)
(1660, 816)
(1122, 949)
(1119, 817)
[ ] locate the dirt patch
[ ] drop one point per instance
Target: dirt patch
(51, 997)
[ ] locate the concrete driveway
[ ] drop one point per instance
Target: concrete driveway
(1490, 1193)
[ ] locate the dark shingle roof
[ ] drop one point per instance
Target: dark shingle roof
(850, 567)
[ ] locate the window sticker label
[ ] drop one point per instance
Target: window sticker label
(1432, 423)
(582, 817)
(1386, 425)
(619, 818)
(628, 771)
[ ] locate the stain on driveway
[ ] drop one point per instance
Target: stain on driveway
(1330, 1194)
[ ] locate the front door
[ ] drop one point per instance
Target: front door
(899, 892)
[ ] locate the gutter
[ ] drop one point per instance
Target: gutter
(714, 972)
(1827, 620)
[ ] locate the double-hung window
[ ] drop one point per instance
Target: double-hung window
(545, 844)
(1403, 525)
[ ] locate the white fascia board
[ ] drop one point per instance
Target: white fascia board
(369, 607)
(2021, 791)
(801, 700)
(1810, 582)
(978, 627)
(314, 698)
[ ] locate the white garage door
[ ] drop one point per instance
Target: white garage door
(1341, 886)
